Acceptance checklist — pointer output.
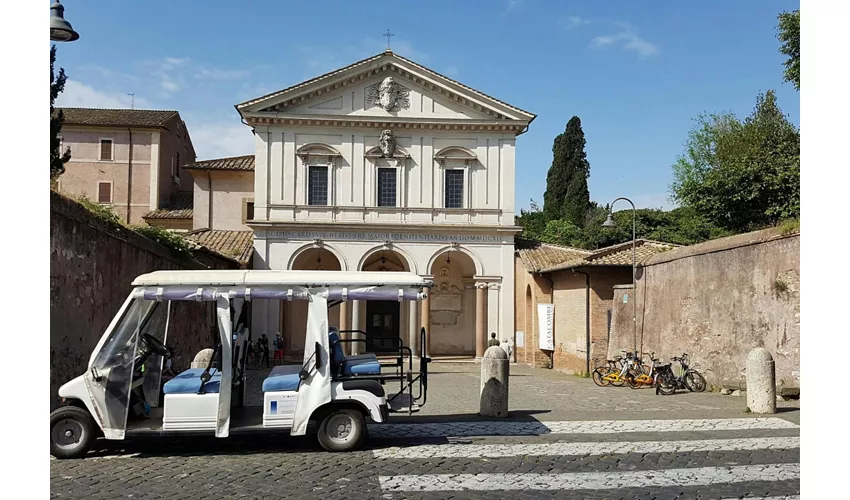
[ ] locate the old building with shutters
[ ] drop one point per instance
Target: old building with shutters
(387, 165)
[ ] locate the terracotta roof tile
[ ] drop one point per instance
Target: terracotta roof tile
(117, 117)
(243, 163)
(615, 255)
(537, 256)
(236, 245)
(178, 207)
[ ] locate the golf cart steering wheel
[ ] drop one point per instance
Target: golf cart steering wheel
(154, 344)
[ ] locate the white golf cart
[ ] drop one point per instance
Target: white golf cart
(121, 393)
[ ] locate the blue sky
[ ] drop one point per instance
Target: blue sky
(636, 73)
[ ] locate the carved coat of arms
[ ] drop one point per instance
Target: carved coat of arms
(388, 95)
(387, 143)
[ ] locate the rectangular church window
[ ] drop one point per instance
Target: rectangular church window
(318, 186)
(386, 187)
(454, 188)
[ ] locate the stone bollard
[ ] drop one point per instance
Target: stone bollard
(495, 371)
(761, 381)
(202, 359)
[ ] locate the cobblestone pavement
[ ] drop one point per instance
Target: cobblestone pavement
(689, 446)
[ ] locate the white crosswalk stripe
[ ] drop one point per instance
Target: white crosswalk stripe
(561, 478)
(696, 476)
(587, 448)
(491, 428)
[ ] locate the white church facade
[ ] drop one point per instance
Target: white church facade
(387, 165)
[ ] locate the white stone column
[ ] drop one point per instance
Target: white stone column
(493, 304)
(356, 347)
(480, 319)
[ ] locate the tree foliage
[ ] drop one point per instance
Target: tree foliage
(789, 37)
(567, 196)
(57, 85)
(741, 175)
(681, 225)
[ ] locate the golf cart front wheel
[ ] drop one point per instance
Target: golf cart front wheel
(342, 430)
(71, 432)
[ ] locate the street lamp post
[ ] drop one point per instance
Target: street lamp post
(60, 29)
(609, 222)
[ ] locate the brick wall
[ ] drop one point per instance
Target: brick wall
(92, 264)
(526, 313)
(716, 301)
(570, 299)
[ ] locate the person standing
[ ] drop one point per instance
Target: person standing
(263, 344)
(278, 348)
(493, 341)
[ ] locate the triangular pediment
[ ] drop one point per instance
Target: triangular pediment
(386, 86)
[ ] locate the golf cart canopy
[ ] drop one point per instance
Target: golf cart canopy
(281, 285)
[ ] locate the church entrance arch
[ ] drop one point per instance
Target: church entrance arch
(453, 304)
(384, 318)
(294, 314)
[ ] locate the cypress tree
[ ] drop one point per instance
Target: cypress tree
(567, 196)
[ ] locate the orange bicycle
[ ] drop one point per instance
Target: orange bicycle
(641, 375)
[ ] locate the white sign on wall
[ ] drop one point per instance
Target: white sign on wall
(520, 339)
(546, 326)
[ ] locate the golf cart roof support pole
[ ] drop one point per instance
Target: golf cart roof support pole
(225, 330)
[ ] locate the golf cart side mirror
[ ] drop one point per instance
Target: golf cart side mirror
(303, 375)
(96, 375)
(318, 352)
(206, 377)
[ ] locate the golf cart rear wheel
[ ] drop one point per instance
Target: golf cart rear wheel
(342, 430)
(71, 432)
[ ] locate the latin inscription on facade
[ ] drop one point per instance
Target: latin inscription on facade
(395, 237)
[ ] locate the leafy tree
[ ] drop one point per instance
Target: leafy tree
(789, 36)
(532, 221)
(567, 196)
(57, 85)
(741, 176)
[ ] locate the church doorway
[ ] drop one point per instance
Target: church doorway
(384, 318)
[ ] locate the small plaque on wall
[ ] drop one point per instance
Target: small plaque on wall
(520, 339)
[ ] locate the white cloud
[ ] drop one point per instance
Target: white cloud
(80, 95)
(575, 21)
(628, 40)
(221, 74)
(218, 139)
(169, 85)
(514, 4)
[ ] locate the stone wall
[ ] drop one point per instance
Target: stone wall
(716, 301)
(92, 264)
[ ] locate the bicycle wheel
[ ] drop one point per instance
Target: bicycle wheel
(694, 381)
(598, 377)
(631, 379)
(665, 384)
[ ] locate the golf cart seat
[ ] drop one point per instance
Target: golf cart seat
(360, 364)
(282, 378)
(189, 382)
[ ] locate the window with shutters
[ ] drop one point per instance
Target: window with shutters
(317, 190)
(387, 187)
(454, 188)
(106, 150)
(104, 192)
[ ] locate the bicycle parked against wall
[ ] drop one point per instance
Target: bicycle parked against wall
(688, 378)
(617, 371)
(642, 375)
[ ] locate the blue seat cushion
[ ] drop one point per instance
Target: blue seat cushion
(362, 357)
(361, 367)
(337, 354)
(189, 382)
(282, 378)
